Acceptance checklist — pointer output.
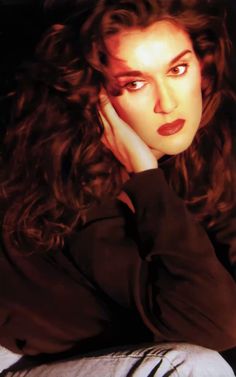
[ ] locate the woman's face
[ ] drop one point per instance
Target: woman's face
(160, 77)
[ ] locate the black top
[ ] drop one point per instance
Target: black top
(122, 278)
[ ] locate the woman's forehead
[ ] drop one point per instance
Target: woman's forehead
(164, 30)
(162, 41)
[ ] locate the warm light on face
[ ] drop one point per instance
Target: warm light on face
(160, 79)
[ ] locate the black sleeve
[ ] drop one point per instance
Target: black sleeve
(189, 288)
(223, 236)
(166, 269)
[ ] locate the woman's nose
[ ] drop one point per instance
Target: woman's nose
(165, 101)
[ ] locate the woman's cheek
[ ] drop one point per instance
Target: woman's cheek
(124, 108)
(129, 109)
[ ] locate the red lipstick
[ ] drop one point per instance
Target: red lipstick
(172, 128)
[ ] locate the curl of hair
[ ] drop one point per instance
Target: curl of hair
(205, 181)
(54, 164)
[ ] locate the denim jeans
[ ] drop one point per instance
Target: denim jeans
(7, 358)
(162, 360)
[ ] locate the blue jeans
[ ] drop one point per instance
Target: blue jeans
(162, 360)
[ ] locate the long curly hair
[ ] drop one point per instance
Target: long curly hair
(54, 165)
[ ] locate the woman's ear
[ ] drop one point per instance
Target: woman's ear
(205, 83)
(206, 80)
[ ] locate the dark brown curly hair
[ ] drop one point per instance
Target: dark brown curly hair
(54, 165)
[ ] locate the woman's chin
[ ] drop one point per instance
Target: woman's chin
(175, 147)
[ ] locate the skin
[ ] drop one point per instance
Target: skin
(160, 77)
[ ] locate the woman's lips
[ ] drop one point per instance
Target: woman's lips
(172, 128)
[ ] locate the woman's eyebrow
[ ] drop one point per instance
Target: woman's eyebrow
(128, 73)
(139, 73)
(179, 56)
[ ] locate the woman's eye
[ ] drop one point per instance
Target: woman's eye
(134, 85)
(179, 70)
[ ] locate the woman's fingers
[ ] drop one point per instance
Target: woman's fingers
(112, 142)
(110, 118)
(122, 140)
(107, 136)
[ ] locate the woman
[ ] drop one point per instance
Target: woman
(106, 239)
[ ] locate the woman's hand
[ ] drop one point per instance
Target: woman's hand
(123, 141)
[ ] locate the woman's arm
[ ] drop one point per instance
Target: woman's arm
(167, 265)
(189, 288)
(223, 237)
(159, 263)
